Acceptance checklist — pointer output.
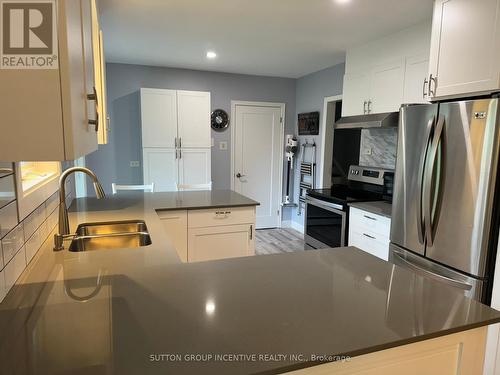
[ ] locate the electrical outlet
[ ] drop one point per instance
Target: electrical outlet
(134, 164)
(223, 145)
(368, 151)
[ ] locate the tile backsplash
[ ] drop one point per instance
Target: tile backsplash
(378, 148)
(21, 240)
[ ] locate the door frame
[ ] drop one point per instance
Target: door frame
(327, 100)
(282, 106)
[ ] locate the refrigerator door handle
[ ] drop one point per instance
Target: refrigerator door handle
(421, 174)
(428, 198)
(399, 259)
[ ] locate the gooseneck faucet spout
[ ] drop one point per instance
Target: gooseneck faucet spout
(63, 230)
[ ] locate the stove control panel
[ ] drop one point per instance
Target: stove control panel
(368, 175)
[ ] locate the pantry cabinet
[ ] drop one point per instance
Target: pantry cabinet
(465, 48)
(175, 137)
(50, 113)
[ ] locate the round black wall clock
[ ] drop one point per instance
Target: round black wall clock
(219, 120)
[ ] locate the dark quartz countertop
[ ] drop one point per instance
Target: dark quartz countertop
(141, 311)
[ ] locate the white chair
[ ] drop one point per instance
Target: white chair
(193, 187)
(146, 188)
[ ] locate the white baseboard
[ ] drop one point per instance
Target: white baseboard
(293, 224)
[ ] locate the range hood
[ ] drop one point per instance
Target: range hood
(378, 120)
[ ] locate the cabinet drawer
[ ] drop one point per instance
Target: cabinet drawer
(370, 243)
(366, 221)
(221, 216)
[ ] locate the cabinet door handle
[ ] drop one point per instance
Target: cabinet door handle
(432, 92)
(93, 97)
(367, 235)
(175, 142)
(369, 106)
(180, 142)
(426, 82)
(180, 154)
(364, 107)
(369, 217)
(251, 232)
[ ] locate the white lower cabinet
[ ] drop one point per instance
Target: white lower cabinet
(369, 232)
(227, 241)
(209, 234)
(175, 225)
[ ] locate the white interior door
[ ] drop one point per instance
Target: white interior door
(257, 157)
(158, 117)
(160, 168)
(193, 108)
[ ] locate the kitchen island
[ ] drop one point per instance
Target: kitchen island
(143, 311)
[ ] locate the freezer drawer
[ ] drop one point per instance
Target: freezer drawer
(471, 287)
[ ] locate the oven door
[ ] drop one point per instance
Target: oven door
(325, 224)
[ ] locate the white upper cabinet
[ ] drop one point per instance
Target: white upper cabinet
(387, 72)
(386, 87)
(415, 86)
(193, 110)
(356, 94)
(159, 118)
(465, 48)
(49, 113)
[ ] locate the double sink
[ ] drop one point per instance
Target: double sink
(110, 235)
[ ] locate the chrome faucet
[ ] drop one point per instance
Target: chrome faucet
(63, 210)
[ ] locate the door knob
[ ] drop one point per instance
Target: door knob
(239, 175)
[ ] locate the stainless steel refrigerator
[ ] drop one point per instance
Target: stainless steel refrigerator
(446, 201)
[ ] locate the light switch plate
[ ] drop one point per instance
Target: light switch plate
(134, 164)
(223, 145)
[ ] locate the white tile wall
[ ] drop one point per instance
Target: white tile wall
(12, 242)
(21, 244)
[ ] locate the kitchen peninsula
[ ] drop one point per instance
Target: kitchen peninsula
(134, 311)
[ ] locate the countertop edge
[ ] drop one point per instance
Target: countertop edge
(190, 208)
(381, 347)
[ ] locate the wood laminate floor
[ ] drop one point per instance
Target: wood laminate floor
(275, 241)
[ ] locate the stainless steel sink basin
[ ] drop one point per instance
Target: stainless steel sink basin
(111, 235)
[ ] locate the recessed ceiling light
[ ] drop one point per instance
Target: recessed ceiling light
(342, 1)
(211, 55)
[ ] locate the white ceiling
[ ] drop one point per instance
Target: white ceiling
(286, 38)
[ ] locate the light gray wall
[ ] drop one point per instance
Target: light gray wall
(310, 93)
(112, 161)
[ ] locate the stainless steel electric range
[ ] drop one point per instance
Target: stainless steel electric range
(327, 211)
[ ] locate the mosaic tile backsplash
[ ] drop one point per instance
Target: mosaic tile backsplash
(378, 148)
